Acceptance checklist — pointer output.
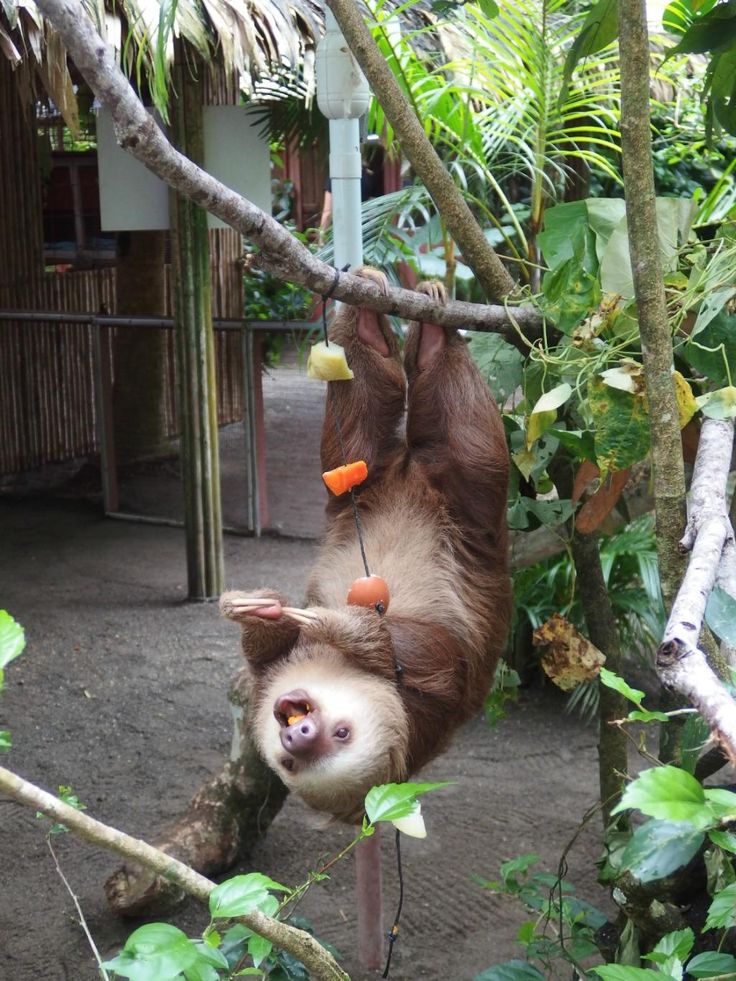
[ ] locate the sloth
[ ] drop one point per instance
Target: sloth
(346, 697)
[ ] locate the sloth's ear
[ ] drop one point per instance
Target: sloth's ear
(267, 634)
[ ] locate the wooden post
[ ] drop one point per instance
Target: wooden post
(369, 902)
(195, 349)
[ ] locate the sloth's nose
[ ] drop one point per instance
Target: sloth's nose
(301, 737)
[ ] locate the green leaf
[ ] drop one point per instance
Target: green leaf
(720, 615)
(695, 733)
(5, 740)
(396, 800)
(645, 715)
(599, 29)
(711, 964)
(500, 364)
(154, 952)
(580, 442)
(571, 293)
(242, 894)
(567, 235)
(259, 948)
(721, 803)
(621, 427)
(515, 970)
(619, 972)
(721, 330)
(677, 944)
(611, 680)
(724, 839)
(711, 306)
(715, 30)
(12, 638)
(657, 848)
(668, 793)
(722, 911)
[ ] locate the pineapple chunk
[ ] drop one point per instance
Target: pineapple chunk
(328, 363)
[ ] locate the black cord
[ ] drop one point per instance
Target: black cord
(338, 425)
(394, 931)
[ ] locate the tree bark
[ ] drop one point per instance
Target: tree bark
(225, 818)
(656, 339)
(602, 630)
(281, 254)
(416, 147)
(297, 942)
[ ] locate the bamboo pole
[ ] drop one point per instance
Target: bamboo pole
(195, 353)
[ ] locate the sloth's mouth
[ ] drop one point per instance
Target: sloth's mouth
(292, 708)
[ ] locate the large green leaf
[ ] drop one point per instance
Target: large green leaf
(500, 364)
(713, 31)
(392, 801)
(620, 972)
(658, 848)
(242, 894)
(12, 638)
(599, 29)
(722, 911)
(155, 952)
(710, 358)
(567, 234)
(621, 427)
(712, 964)
(668, 793)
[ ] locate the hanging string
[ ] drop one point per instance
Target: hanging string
(338, 424)
(393, 933)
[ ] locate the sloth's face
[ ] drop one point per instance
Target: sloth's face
(331, 731)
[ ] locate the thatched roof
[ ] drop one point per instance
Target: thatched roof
(253, 38)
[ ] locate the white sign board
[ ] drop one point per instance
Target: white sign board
(133, 199)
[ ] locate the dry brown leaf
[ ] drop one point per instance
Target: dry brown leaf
(570, 658)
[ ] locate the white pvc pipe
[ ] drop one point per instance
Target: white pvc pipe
(345, 169)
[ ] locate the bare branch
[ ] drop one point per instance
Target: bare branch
(299, 943)
(282, 255)
(492, 276)
(682, 666)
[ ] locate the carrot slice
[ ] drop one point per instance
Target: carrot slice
(344, 478)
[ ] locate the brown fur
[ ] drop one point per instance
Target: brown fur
(433, 511)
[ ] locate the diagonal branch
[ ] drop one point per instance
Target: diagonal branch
(302, 945)
(681, 664)
(416, 147)
(282, 255)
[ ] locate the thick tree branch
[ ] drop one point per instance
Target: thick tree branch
(667, 464)
(682, 666)
(282, 255)
(477, 253)
(297, 942)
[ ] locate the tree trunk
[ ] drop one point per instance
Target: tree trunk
(668, 469)
(139, 352)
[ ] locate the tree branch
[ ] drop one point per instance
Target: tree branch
(682, 666)
(297, 942)
(282, 255)
(477, 253)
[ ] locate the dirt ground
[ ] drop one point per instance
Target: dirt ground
(121, 693)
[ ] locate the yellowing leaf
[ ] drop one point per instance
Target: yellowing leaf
(553, 399)
(686, 404)
(539, 422)
(720, 404)
(570, 658)
(621, 427)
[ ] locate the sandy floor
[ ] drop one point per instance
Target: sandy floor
(121, 693)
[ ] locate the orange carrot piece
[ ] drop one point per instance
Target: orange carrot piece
(346, 477)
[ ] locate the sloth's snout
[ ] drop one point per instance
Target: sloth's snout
(301, 738)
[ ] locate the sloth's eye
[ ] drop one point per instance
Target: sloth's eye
(342, 733)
